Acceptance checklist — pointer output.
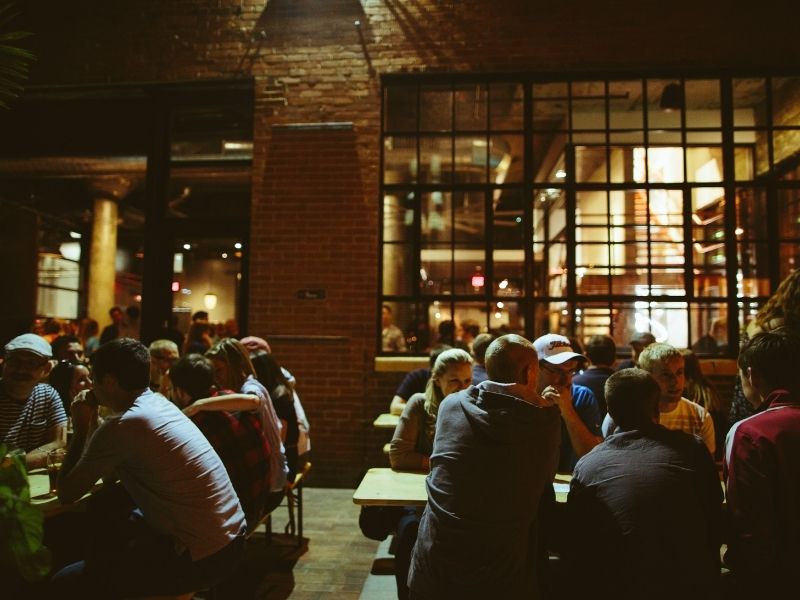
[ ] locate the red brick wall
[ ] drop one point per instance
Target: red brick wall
(315, 193)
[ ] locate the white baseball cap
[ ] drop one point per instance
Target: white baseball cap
(555, 349)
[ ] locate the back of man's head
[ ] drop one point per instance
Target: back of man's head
(632, 397)
(771, 357)
(436, 351)
(163, 349)
(479, 346)
(601, 350)
(194, 374)
(656, 354)
(128, 360)
(508, 359)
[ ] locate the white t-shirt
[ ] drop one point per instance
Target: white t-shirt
(687, 416)
(172, 473)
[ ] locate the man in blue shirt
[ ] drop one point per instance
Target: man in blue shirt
(581, 416)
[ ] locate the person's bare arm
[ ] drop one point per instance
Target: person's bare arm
(226, 402)
(37, 457)
(580, 437)
(397, 405)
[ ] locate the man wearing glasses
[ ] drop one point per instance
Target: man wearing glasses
(32, 416)
(581, 417)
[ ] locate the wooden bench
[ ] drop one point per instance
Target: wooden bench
(294, 500)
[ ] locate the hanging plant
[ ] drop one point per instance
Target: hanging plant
(14, 61)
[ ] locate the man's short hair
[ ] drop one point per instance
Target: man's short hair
(471, 327)
(128, 360)
(657, 353)
(114, 309)
(772, 355)
(163, 349)
(61, 343)
(480, 344)
(200, 315)
(601, 350)
(632, 398)
(194, 374)
(642, 339)
(508, 357)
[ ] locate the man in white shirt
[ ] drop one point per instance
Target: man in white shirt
(187, 531)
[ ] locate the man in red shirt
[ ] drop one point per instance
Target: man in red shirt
(762, 468)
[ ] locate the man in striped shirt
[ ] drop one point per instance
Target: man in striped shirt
(32, 415)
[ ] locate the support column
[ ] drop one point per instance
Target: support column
(102, 267)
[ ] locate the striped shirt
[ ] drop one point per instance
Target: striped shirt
(691, 418)
(26, 425)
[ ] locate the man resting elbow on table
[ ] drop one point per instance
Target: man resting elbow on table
(32, 416)
(183, 529)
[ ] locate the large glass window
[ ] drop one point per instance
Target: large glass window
(587, 206)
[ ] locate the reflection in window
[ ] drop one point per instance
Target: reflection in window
(615, 207)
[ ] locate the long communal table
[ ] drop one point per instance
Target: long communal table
(386, 421)
(50, 505)
(387, 487)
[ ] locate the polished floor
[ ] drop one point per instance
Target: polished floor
(333, 562)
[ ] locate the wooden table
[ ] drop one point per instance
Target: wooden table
(39, 483)
(386, 487)
(386, 421)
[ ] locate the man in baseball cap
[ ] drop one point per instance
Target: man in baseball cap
(581, 417)
(32, 416)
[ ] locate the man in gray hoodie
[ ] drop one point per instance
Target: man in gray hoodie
(495, 451)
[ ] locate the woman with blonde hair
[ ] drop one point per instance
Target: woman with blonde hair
(412, 444)
(781, 310)
(233, 372)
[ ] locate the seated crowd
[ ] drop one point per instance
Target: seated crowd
(193, 452)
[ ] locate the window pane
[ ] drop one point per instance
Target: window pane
(471, 107)
(469, 223)
(625, 104)
(627, 319)
(592, 319)
(469, 315)
(506, 158)
(754, 269)
(744, 158)
(592, 279)
(398, 270)
(704, 164)
(470, 271)
(549, 214)
(506, 101)
(702, 103)
(550, 104)
(506, 317)
(667, 282)
(60, 304)
(751, 214)
(400, 108)
(399, 160)
(789, 211)
(441, 328)
(664, 112)
(509, 273)
(626, 278)
(436, 108)
(621, 163)
(591, 208)
(398, 216)
(789, 259)
(709, 330)
(665, 165)
(435, 157)
(786, 101)
(508, 225)
(398, 327)
(590, 164)
(471, 159)
(436, 268)
(747, 312)
(709, 282)
(666, 208)
(749, 103)
(669, 323)
(437, 215)
(588, 105)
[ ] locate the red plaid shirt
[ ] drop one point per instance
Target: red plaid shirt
(245, 451)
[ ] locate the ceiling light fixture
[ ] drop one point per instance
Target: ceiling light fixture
(672, 97)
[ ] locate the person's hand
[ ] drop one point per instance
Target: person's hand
(550, 396)
(84, 412)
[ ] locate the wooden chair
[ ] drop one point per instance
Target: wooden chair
(294, 498)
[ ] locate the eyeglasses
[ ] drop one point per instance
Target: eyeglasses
(557, 370)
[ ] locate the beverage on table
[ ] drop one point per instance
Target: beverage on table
(55, 458)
